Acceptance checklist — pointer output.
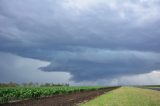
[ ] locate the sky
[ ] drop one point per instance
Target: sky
(81, 42)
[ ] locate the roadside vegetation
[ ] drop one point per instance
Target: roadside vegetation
(150, 86)
(127, 96)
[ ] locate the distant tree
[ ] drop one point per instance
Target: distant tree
(24, 84)
(30, 84)
(10, 84)
(13, 84)
(67, 84)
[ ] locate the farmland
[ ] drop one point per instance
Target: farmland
(79, 95)
(127, 96)
(20, 93)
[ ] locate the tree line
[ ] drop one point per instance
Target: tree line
(31, 84)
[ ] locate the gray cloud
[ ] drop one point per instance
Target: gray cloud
(84, 37)
(152, 78)
(94, 64)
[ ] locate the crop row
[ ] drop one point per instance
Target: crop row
(19, 93)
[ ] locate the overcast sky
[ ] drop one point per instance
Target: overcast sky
(94, 42)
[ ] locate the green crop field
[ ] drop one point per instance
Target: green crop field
(127, 96)
(19, 93)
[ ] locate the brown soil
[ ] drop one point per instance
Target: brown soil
(157, 89)
(62, 100)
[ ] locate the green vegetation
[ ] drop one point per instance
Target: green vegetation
(127, 96)
(20, 93)
(150, 86)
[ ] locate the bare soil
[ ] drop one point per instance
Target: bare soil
(72, 99)
(157, 89)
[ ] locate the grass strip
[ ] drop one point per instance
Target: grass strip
(127, 96)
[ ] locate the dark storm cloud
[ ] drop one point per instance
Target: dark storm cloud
(100, 64)
(84, 37)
